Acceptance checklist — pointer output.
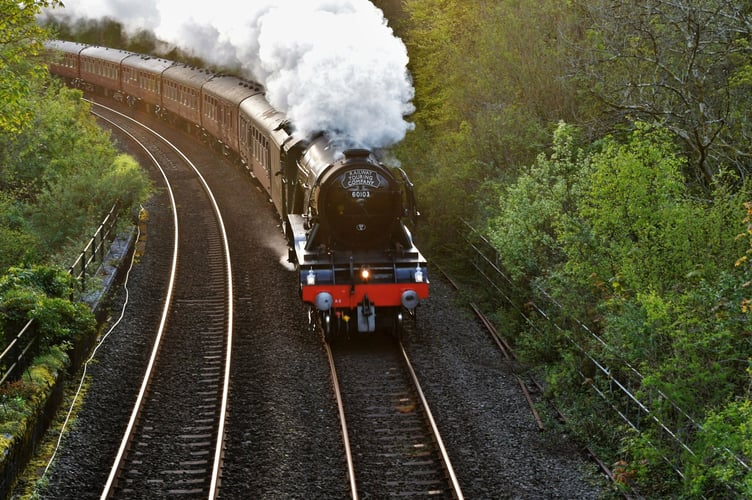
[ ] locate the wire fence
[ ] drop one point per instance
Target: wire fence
(616, 381)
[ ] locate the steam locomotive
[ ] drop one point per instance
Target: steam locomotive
(344, 213)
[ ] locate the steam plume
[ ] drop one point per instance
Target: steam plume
(330, 65)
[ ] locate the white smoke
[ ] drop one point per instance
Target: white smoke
(330, 65)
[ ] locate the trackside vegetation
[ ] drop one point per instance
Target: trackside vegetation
(59, 176)
(602, 149)
(42, 294)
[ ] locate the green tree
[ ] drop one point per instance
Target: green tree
(69, 208)
(17, 244)
(440, 34)
(20, 40)
(61, 140)
(530, 210)
(491, 84)
(500, 67)
(724, 443)
(684, 63)
(649, 268)
(644, 228)
(64, 174)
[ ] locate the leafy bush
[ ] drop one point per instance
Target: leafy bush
(51, 281)
(20, 400)
(622, 246)
(43, 293)
(17, 244)
(530, 210)
(637, 224)
(726, 438)
(61, 320)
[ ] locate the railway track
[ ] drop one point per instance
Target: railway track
(393, 446)
(174, 440)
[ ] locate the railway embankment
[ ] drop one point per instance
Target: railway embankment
(42, 400)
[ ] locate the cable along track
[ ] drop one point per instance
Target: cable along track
(393, 445)
(173, 441)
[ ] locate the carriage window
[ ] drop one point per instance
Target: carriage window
(267, 155)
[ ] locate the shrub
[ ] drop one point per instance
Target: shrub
(726, 438)
(43, 293)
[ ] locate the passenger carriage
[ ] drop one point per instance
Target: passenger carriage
(66, 62)
(181, 92)
(221, 98)
(142, 80)
(101, 67)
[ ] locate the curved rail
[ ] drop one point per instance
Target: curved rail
(343, 424)
(457, 491)
(168, 300)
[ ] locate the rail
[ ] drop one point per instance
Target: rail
(617, 386)
(19, 352)
(453, 481)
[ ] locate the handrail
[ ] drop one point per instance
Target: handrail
(95, 247)
(9, 350)
(16, 358)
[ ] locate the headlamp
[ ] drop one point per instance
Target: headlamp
(365, 274)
